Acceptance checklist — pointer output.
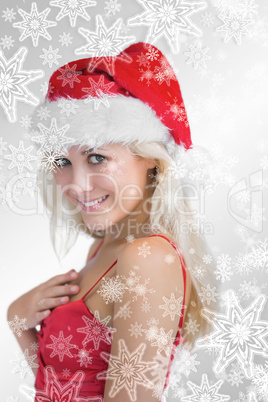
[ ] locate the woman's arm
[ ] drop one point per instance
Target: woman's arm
(30, 309)
(146, 320)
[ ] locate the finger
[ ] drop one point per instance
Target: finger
(41, 315)
(62, 278)
(52, 302)
(57, 291)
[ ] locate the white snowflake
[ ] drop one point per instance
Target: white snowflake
(18, 325)
(199, 271)
(112, 166)
(8, 196)
(169, 259)
(13, 82)
(224, 270)
(197, 55)
(65, 39)
(260, 380)
(7, 42)
(34, 24)
(164, 341)
(185, 362)
(50, 56)
(28, 184)
(67, 106)
(105, 43)
(73, 9)
(136, 330)
(61, 346)
(172, 306)
(96, 330)
(52, 138)
(208, 294)
(112, 289)
(169, 19)
(43, 113)
(234, 26)
(207, 19)
(144, 250)
(240, 334)
(207, 258)
(24, 363)
(191, 327)
(84, 358)
(112, 7)
(124, 312)
(20, 157)
(205, 391)
(235, 377)
(99, 92)
(9, 15)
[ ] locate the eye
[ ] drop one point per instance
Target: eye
(98, 158)
(60, 162)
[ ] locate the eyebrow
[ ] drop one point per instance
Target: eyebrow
(91, 149)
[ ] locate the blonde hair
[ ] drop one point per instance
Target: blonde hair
(193, 246)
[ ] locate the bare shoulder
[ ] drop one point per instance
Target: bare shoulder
(150, 253)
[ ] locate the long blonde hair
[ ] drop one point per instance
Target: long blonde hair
(192, 244)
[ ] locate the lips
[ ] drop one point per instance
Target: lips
(94, 207)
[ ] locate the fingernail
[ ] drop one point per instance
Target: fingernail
(73, 274)
(73, 288)
(63, 299)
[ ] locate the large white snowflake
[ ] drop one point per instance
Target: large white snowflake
(24, 363)
(52, 138)
(55, 391)
(73, 8)
(61, 346)
(34, 24)
(127, 370)
(205, 392)
(20, 157)
(13, 82)
(239, 334)
(106, 43)
(96, 330)
(234, 26)
(168, 18)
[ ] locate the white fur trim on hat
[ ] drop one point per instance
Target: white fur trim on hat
(120, 120)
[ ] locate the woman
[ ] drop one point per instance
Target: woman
(109, 332)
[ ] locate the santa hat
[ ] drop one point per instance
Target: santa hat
(132, 96)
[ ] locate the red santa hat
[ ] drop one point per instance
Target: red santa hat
(132, 96)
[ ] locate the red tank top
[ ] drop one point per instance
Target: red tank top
(71, 340)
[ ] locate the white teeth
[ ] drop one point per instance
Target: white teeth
(90, 204)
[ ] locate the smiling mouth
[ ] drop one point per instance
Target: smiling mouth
(90, 204)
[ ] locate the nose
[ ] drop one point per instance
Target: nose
(81, 182)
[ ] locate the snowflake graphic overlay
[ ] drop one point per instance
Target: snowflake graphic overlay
(34, 24)
(239, 334)
(205, 392)
(234, 26)
(96, 330)
(105, 43)
(61, 346)
(24, 363)
(54, 391)
(168, 18)
(127, 370)
(13, 81)
(18, 325)
(72, 9)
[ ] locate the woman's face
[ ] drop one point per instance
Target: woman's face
(110, 172)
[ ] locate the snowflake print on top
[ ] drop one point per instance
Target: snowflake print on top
(34, 24)
(127, 370)
(96, 330)
(61, 346)
(104, 43)
(73, 9)
(13, 82)
(54, 391)
(205, 391)
(239, 334)
(168, 18)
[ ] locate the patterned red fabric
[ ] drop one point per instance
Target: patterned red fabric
(140, 71)
(71, 340)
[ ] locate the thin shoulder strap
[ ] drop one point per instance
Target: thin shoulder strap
(102, 275)
(97, 249)
(183, 272)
